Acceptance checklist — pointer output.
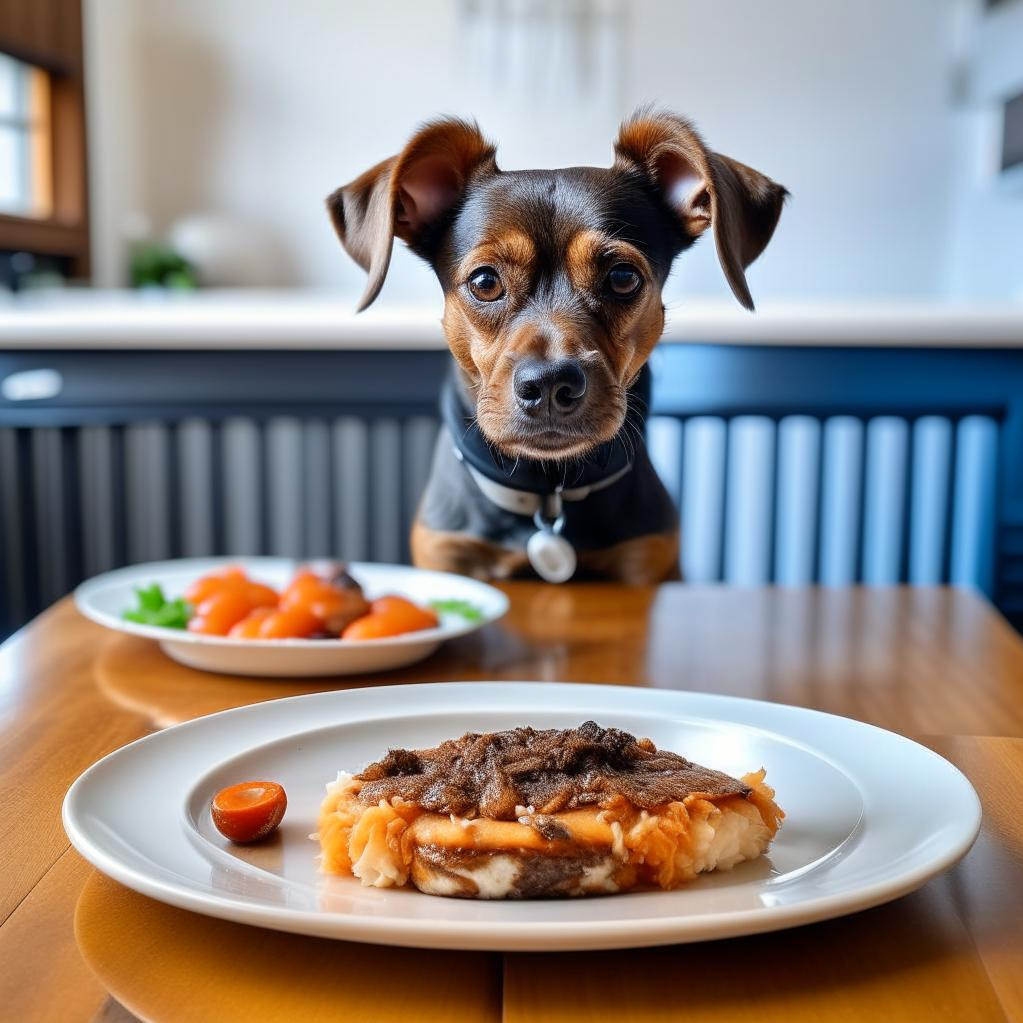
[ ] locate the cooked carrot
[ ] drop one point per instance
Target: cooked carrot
(335, 605)
(260, 595)
(232, 577)
(219, 613)
(249, 626)
(249, 811)
(301, 589)
(401, 608)
(318, 595)
(289, 623)
(390, 616)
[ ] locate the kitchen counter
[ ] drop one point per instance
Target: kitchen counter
(319, 320)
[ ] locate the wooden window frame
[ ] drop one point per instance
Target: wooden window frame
(48, 34)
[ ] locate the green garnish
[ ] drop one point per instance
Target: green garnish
(466, 609)
(155, 609)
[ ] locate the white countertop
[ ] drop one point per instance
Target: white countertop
(317, 320)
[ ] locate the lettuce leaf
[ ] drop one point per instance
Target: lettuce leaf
(153, 608)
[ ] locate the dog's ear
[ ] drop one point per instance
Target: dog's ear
(407, 195)
(704, 189)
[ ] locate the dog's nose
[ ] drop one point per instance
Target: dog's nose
(558, 385)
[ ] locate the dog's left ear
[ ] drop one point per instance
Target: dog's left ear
(407, 195)
(704, 188)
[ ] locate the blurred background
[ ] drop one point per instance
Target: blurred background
(180, 372)
(884, 120)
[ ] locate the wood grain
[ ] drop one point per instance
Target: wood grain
(988, 891)
(930, 661)
(188, 967)
(935, 661)
(54, 725)
(43, 976)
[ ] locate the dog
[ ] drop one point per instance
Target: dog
(552, 286)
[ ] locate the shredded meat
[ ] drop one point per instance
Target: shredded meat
(549, 770)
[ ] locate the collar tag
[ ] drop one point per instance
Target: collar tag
(552, 557)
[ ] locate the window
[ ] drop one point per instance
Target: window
(26, 187)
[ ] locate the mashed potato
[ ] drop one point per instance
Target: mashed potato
(612, 848)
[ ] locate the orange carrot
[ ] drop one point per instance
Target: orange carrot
(289, 623)
(390, 616)
(219, 613)
(249, 626)
(249, 811)
(232, 577)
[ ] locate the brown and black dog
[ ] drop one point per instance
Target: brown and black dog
(552, 282)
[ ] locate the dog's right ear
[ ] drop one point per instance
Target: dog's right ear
(407, 195)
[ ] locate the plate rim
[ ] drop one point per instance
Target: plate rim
(633, 932)
(440, 634)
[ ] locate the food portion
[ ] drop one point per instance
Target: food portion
(390, 616)
(229, 603)
(249, 811)
(153, 608)
(320, 602)
(530, 813)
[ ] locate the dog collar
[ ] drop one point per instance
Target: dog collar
(550, 554)
(535, 489)
(526, 502)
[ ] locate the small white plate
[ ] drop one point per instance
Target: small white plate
(870, 815)
(106, 597)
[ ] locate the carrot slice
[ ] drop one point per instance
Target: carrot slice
(249, 811)
(390, 616)
(405, 608)
(232, 577)
(249, 626)
(260, 595)
(290, 623)
(219, 613)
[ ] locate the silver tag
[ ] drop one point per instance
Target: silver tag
(552, 556)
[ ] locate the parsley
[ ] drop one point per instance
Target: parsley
(153, 608)
(464, 608)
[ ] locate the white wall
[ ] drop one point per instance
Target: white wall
(259, 108)
(986, 245)
(846, 104)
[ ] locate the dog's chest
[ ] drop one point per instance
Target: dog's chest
(634, 506)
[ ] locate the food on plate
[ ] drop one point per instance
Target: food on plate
(249, 627)
(231, 580)
(249, 811)
(335, 599)
(153, 608)
(463, 608)
(320, 602)
(219, 613)
(290, 623)
(529, 813)
(391, 616)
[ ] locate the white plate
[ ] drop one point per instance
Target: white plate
(106, 597)
(871, 815)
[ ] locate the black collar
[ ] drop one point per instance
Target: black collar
(609, 459)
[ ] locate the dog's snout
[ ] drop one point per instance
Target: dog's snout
(555, 386)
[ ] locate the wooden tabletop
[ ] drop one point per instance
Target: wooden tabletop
(935, 663)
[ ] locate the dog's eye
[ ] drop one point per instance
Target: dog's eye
(485, 284)
(623, 280)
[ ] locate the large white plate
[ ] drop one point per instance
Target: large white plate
(106, 597)
(871, 815)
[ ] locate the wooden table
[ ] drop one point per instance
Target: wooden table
(935, 663)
